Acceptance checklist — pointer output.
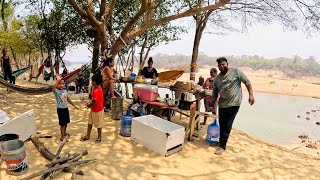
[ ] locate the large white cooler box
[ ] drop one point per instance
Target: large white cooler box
(157, 134)
(23, 125)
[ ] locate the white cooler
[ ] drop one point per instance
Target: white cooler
(157, 134)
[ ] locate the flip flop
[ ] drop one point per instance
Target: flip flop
(98, 140)
(84, 138)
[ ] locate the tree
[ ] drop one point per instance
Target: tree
(60, 26)
(245, 13)
(293, 13)
(9, 26)
(32, 35)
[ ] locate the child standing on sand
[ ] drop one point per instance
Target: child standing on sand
(62, 100)
(97, 109)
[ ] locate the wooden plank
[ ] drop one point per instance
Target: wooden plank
(206, 114)
(197, 109)
(191, 121)
(179, 111)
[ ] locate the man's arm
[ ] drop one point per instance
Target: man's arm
(214, 94)
(246, 81)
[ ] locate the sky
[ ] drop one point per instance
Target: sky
(269, 41)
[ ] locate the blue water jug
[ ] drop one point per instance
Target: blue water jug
(126, 120)
(213, 133)
(133, 75)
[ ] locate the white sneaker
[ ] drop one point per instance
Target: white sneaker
(219, 151)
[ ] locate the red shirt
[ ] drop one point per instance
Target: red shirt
(97, 95)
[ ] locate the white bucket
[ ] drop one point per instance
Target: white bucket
(14, 154)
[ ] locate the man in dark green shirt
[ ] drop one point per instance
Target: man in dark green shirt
(228, 85)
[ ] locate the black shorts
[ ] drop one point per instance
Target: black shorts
(63, 115)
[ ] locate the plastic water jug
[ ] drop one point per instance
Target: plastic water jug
(126, 120)
(213, 133)
(133, 75)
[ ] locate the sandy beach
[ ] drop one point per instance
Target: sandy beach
(117, 157)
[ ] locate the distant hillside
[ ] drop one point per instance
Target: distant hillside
(292, 67)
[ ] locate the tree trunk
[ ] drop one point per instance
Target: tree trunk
(95, 53)
(132, 58)
(57, 62)
(4, 22)
(14, 57)
(29, 62)
(201, 22)
(195, 53)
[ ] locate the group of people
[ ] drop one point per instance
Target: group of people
(96, 104)
(226, 87)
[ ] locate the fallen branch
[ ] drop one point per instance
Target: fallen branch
(45, 152)
(70, 161)
(63, 160)
(55, 168)
(73, 177)
(46, 176)
(65, 139)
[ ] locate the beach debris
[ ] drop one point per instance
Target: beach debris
(318, 123)
(312, 146)
(307, 112)
(307, 118)
(313, 110)
(303, 136)
(298, 116)
(58, 162)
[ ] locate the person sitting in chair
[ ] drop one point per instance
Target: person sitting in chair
(149, 71)
(109, 77)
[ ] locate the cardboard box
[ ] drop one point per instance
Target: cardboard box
(157, 134)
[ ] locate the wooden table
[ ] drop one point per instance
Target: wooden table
(194, 116)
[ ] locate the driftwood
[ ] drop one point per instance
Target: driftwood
(45, 152)
(63, 160)
(73, 177)
(46, 175)
(65, 139)
(70, 161)
(55, 168)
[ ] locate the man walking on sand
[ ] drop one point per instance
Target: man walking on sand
(228, 84)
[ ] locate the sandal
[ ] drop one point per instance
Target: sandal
(98, 140)
(84, 138)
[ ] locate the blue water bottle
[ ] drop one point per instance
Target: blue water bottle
(213, 133)
(126, 120)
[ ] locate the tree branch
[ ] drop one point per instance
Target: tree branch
(76, 7)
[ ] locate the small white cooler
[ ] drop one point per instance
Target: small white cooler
(157, 134)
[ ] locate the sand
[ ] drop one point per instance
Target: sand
(118, 157)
